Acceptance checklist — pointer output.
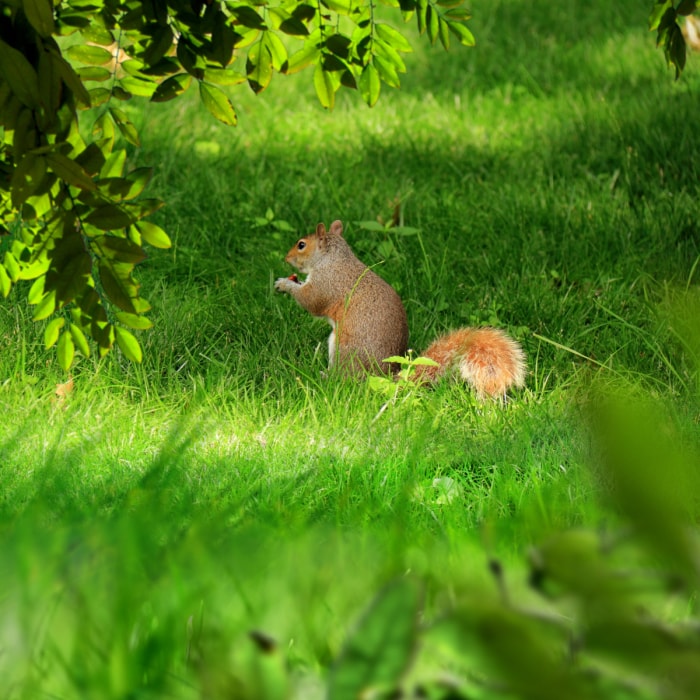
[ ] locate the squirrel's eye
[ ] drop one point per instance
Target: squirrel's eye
(301, 245)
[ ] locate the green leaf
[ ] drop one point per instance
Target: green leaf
(119, 249)
(69, 171)
(91, 55)
(278, 53)
(5, 282)
(20, 75)
(370, 85)
(99, 96)
(72, 277)
(190, 59)
(103, 334)
(65, 350)
(35, 269)
(370, 225)
(139, 323)
(333, 64)
(392, 37)
(114, 164)
(52, 330)
(128, 345)
(303, 58)
(133, 18)
(128, 130)
(40, 15)
(97, 34)
(138, 86)
(294, 27)
(432, 20)
(339, 45)
(259, 66)
(326, 85)
(25, 136)
(223, 40)
(387, 72)
(304, 12)
(380, 649)
(90, 305)
(118, 286)
(166, 66)
(128, 187)
(658, 12)
(686, 7)
(668, 20)
(444, 34)
(95, 73)
(79, 339)
(342, 7)
(104, 132)
(153, 234)
(424, 361)
(172, 87)
(12, 266)
(466, 38)
(421, 16)
(676, 49)
(26, 178)
(401, 360)
(226, 77)
(217, 103)
(248, 17)
(388, 52)
(119, 93)
(144, 207)
(109, 217)
(70, 78)
(161, 42)
(50, 87)
(46, 306)
(457, 14)
(141, 306)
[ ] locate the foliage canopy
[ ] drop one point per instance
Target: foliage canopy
(75, 220)
(664, 19)
(73, 210)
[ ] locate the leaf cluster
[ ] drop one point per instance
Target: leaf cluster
(71, 206)
(664, 19)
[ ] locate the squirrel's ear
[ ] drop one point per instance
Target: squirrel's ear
(337, 228)
(321, 229)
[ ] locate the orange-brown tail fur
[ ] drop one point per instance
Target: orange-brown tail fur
(486, 358)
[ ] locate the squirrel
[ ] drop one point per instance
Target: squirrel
(369, 321)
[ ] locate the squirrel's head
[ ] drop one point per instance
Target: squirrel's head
(306, 252)
(323, 237)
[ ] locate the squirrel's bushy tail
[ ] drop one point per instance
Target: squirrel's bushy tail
(486, 358)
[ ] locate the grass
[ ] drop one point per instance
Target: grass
(159, 512)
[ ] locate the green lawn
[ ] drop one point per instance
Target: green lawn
(157, 514)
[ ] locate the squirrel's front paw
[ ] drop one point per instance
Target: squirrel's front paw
(284, 284)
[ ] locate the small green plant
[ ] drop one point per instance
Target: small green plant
(391, 386)
(271, 221)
